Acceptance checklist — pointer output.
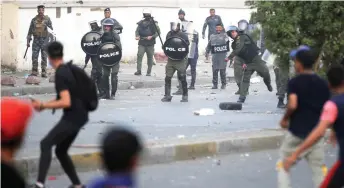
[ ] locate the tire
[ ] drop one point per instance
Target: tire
(230, 106)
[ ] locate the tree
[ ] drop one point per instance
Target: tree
(288, 24)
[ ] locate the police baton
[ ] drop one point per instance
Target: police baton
(156, 28)
(27, 49)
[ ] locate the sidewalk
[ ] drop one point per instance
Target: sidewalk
(126, 77)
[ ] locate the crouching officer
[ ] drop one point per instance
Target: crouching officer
(245, 48)
(146, 33)
(109, 54)
(92, 46)
(219, 47)
(176, 49)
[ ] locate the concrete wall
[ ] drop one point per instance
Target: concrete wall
(9, 35)
(70, 27)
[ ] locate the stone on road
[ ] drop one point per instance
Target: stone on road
(247, 170)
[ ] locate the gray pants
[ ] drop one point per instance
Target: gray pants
(314, 157)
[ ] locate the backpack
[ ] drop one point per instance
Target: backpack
(86, 89)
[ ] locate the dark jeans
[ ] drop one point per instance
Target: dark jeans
(61, 136)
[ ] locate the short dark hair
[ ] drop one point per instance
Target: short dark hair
(219, 24)
(55, 50)
(40, 6)
(306, 58)
(212, 9)
(119, 147)
(335, 75)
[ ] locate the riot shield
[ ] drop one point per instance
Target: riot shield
(90, 42)
(176, 48)
(109, 54)
(192, 35)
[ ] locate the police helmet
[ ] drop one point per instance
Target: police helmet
(176, 26)
(231, 28)
(147, 13)
(108, 25)
(181, 11)
(243, 25)
(94, 25)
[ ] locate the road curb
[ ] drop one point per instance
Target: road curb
(171, 151)
(38, 89)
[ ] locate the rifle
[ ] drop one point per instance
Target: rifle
(27, 48)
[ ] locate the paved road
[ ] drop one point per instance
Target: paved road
(155, 120)
(247, 170)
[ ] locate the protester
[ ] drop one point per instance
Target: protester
(75, 116)
(120, 154)
(15, 116)
(332, 117)
(307, 94)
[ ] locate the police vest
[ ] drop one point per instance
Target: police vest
(40, 26)
(146, 28)
(219, 43)
(250, 49)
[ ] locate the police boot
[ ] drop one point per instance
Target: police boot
(215, 78)
(193, 79)
(280, 103)
(184, 89)
(137, 73)
(149, 70)
(44, 73)
(167, 97)
(223, 78)
(241, 99)
(114, 82)
(178, 92)
(185, 99)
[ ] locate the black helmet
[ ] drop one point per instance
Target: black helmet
(181, 11)
(108, 22)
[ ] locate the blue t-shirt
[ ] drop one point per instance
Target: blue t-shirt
(312, 93)
(114, 181)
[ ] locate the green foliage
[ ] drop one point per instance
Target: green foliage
(288, 24)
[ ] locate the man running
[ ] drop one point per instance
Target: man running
(307, 94)
(332, 117)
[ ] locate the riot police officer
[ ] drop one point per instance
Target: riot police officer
(110, 35)
(176, 64)
(146, 33)
(96, 72)
(243, 28)
(245, 48)
(193, 52)
(219, 47)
